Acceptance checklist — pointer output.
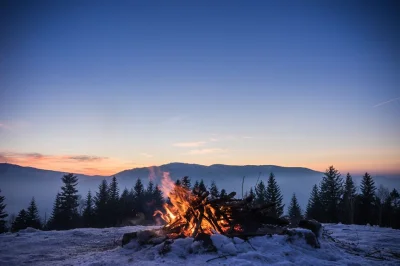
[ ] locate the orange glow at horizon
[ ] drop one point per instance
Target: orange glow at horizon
(110, 166)
(71, 164)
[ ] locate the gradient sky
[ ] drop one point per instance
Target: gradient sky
(99, 88)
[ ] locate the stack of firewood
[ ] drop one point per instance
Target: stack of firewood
(226, 215)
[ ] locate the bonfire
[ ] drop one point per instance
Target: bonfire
(196, 215)
(190, 213)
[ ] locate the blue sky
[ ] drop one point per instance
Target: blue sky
(152, 82)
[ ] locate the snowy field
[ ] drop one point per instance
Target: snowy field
(341, 245)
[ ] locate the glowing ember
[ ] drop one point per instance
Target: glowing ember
(238, 228)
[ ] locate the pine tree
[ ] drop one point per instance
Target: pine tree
(113, 202)
(138, 189)
(368, 189)
(113, 191)
(55, 219)
(314, 206)
(294, 211)
(395, 198)
(149, 207)
(3, 215)
(222, 194)
(158, 198)
(382, 196)
(33, 219)
(69, 202)
(386, 209)
(330, 195)
(101, 205)
(214, 192)
(274, 195)
(150, 189)
(261, 193)
(20, 222)
(139, 196)
(127, 204)
(178, 183)
(252, 195)
(395, 207)
(202, 186)
(196, 187)
(186, 182)
(348, 201)
(88, 212)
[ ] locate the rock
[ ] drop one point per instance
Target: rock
(270, 230)
(206, 241)
(312, 240)
(165, 247)
(298, 233)
(127, 237)
(157, 240)
(143, 237)
(312, 225)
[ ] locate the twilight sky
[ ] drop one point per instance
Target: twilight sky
(99, 88)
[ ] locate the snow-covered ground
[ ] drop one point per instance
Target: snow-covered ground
(355, 245)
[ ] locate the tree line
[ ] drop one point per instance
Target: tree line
(333, 200)
(106, 208)
(336, 200)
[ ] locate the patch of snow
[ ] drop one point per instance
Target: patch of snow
(97, 247)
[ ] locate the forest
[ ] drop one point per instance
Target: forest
(334, 200)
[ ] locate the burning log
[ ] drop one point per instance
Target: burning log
(193, 213)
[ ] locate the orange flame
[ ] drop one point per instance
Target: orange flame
(184, 212)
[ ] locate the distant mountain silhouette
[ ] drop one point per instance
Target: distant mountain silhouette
(215, 171)
(19, 184)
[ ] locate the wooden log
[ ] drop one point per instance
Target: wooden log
(198, 224)
(262, 206)
(223, 215)
(222, 201)
(214, 223)
(244, 235)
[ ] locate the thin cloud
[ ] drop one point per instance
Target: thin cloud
(206, 151)
(35, 156)
(389, 101)
(189, 144)
(85, 158)
(146, 155)
(11, 155)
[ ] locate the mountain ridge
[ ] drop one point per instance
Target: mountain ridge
(3, 165)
